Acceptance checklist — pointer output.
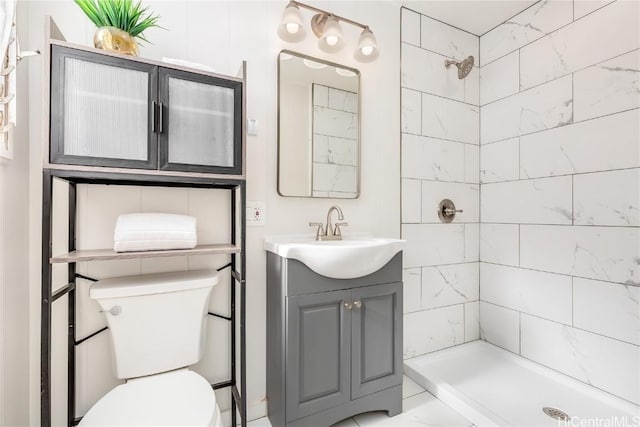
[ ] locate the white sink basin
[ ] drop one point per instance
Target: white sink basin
(352, 257)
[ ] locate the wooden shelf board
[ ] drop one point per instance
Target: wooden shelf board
(109, 254)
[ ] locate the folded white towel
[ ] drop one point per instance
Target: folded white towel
(154, 231)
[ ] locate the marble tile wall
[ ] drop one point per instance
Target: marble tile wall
(335, 142)
(560, 189)
(440, 159)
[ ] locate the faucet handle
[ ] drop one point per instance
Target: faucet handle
(336, 230)
(319, 230)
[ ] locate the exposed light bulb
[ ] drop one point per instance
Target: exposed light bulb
(367, 47)
(332, 40)
(292, 27)
(367, 50)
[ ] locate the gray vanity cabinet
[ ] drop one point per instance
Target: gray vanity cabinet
(334, 346)
(319, 338)
(376, 344)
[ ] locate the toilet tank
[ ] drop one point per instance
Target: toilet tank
(157, 321)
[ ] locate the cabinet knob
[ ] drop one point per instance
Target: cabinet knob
(357, 303)
(348, 305)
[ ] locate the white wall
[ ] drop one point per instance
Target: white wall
(14, 273)
(222, 34)
(440, 140)
(560, 196)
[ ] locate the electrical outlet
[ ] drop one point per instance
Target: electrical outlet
(256, 214)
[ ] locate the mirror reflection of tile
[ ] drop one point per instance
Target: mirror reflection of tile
(335, 142)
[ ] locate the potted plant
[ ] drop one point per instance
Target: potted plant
(119, 23)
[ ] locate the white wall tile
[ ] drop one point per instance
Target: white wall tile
(533, 201)
(471, 163)
(342, 124)
(578, 45)
(335, 178)
(500, 161)
(447, 119)
(608, 87)
(449, 284)
(500, 326)
(610, 142)
(531, 24)
(471, 242)
(607, 198)
(411, 197)
(604, 253)
(412, 290)
(607, 308)
(500, 78)
(465, 197)
(447, 40)
(602, 362)
(542, 294)
(583, 7)
(472, 86)
(411, 114)
(343, 100)
(431, 158)
(410, 27)
(499, 243)
(543, 107)
(423, 70)
(471, 321)
(432, 330)
(433, 244)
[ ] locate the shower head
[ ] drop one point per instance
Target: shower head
(464, 67)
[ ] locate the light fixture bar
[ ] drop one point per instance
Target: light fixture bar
(338, 17)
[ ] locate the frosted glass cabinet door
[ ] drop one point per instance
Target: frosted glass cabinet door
(201, 123)
(101, 110)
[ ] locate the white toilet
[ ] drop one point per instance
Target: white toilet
(158, 325)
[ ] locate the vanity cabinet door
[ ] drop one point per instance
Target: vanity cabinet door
(377, 338)
(200, 123)
(318, 352)
(102, 110)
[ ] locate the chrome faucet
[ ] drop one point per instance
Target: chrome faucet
(330, 232)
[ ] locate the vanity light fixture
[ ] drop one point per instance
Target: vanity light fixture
(326, 27)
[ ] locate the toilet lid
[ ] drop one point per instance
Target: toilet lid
(178, 398)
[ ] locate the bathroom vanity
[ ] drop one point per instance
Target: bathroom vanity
(334, 345)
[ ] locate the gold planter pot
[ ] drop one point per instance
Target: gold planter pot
(115, 40)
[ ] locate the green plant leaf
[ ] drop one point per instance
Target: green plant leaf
(127, 15)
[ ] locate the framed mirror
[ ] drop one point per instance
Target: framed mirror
(318, 128)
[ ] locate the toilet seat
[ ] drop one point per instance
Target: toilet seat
(176, 398)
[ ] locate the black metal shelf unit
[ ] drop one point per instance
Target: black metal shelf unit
(237, 188)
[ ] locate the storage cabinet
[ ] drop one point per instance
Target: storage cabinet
(118, 120)
(127, 113)
(334, 346)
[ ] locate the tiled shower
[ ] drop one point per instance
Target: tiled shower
(539, 145)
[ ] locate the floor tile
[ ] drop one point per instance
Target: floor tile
(420, 410)
(410, 388)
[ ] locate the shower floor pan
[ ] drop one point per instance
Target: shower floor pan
(493, 387)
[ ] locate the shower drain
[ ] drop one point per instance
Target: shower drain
(556, 413)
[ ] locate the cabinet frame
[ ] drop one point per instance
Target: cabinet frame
(54, 38)
(119, 174)
(163, 135)
(56, 140)
(237, 300)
